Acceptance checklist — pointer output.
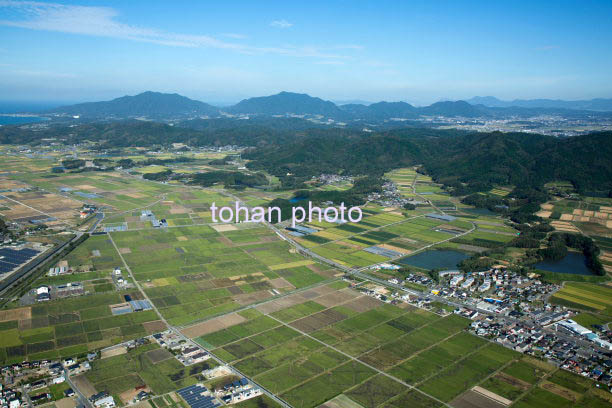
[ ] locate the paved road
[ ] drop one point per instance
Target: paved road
(24, 392)
(99, 218)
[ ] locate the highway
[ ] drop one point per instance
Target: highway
(30, 267)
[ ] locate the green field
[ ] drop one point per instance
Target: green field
(70, 327)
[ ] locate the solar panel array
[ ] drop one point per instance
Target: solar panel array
(193, 396)
(11, 258)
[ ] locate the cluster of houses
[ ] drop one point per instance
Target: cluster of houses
(418, 279)
(10, 397)
(391, 196)
(496, 290)
(42, 397)
(118, 279)
(559, 346)
(332, 179)
(147, 215)
(237, 391)
(37, 375)
(75, 367)
(496, 285)
(185, 352)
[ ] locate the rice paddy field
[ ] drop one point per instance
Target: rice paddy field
(193, 273)
(113, 189)
(69, 327)
(403, 233)
(284, 320)
(420, 187)
(391, 233)
(334, 344)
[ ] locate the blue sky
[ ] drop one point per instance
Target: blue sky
(416, 51)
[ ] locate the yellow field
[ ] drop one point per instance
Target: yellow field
(291, 265)
(328, 235)
(579, 301)
(598, 297)
(164, 281)
(499, 192)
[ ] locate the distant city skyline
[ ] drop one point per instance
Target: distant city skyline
(419, 52)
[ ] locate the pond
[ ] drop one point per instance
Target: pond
(574, 262)
(435, 259)
(296, 199)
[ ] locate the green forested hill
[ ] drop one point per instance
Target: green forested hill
(476, 160)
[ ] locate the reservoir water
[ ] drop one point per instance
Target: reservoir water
(574, 262)
(435, 259)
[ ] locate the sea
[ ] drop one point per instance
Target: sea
(8, 109)
(18, 120)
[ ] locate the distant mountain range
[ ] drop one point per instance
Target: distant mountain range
(599, 104)
(161, 106)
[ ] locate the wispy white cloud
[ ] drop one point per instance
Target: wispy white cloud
(235, 36)
(281, 24)
(103, 22)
